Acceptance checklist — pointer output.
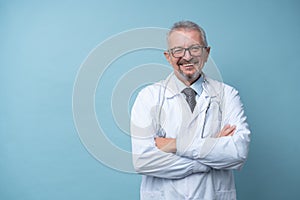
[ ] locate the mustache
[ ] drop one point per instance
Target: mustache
(183, 61)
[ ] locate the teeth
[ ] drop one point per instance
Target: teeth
(186, 65)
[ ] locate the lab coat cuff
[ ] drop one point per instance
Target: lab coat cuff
(185, 149)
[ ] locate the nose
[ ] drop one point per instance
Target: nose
(187, 54)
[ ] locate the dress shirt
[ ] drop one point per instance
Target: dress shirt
(197, 86)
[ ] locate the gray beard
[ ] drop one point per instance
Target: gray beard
(189, 78)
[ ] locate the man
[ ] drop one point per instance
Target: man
(188, 132)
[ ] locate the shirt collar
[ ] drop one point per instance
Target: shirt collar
(197, 85)
(176, 86)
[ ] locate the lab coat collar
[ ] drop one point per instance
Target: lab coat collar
(211, 88)
(172, 87)
(175, 86)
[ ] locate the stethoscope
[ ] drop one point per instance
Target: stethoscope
(160, 130)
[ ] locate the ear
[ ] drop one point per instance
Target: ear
(207, 51)
(168, 57)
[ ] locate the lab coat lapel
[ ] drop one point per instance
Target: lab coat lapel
(201, 105)
(171, 87)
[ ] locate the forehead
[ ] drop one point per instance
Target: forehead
(184, 38)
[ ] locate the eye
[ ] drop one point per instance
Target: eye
(178, 50)
(195, 48)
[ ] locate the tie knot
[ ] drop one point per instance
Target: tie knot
(189, 92)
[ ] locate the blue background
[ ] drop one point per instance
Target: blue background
(254, 43)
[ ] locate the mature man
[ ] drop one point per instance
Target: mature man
(188, 132)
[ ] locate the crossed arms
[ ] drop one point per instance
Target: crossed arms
(168, 158)
(168, 145)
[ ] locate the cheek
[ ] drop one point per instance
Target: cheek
(205, 56)
(202, 61)
(173, 62)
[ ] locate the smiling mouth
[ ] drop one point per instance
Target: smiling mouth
(187, 65)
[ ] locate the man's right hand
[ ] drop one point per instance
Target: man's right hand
(167, 145)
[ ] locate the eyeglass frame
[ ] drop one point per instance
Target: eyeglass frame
(185, 49)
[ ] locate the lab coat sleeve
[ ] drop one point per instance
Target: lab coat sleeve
(229, 152)
(147, 158)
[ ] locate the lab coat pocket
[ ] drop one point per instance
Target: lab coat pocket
(226, 195)
(224, 184)
(152, 195)
(212, 120)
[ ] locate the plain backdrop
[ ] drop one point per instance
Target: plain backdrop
(255, 45)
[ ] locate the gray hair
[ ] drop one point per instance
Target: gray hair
(188, 25)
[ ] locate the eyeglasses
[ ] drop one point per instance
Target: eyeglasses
(194, 50)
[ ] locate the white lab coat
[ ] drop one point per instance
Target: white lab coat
(202, 166)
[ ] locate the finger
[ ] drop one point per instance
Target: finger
(231, 130)
(226, 127)
(227, 130)
(223, 130)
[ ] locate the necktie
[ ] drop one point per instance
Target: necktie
(190, 96)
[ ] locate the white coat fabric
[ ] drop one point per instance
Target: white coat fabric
(202, 166)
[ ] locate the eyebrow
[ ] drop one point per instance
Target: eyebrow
(183, 47)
